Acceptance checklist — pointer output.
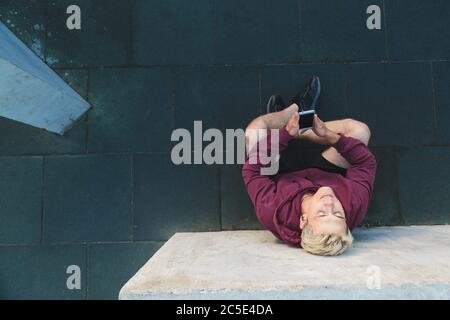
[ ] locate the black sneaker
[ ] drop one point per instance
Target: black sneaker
(275, 104)
(307, 98)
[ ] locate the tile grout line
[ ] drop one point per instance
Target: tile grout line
(174, 76)
(132, 197)
(433, 91)
(219, 181)
(386, 49)
(215, 38)
(41, 240)
(125, 153)
(248, 65)
(91, 243)
(260, 109)
(347, 93)
(131, 38)
(299, 29)
(87, 261)
(46, 19)
(397, 173)
(88, 84)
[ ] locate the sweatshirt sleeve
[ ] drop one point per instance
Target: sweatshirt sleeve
(363, 163)
(261, 188)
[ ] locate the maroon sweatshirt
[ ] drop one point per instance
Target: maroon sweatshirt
(277, 199)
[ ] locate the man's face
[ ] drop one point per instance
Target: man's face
(324, 212)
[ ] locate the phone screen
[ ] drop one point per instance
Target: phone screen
(306, 120)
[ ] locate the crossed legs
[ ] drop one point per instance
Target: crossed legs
(348, 127)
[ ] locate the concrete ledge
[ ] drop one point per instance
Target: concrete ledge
(384, 263)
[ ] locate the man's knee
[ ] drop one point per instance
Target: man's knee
(255, 125)
(253, 133)
(358, 130)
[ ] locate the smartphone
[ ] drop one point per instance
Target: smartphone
(306, 120)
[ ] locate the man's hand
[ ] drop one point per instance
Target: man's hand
(292, 125)
(319, 133)
(319, 128)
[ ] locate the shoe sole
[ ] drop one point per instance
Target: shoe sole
(316, 98)
(270, 104)
(310, 88)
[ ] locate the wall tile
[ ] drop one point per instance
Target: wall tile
(337, 31)
(103, 40)
(39, 272)
(20, 201)
(169, 198)
(256, 31)
(87, 198)
(112, 265)
(424, 185)
(418, 30)
(132, 110)
(173, 32)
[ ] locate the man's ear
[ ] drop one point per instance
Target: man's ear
(303, 221)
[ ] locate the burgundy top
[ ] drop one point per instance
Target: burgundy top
(277, 198)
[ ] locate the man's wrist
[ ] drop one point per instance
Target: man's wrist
(332, 137)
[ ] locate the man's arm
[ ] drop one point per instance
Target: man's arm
(351, 146)
(361, 174)
(274, 120)
(363, 163)
(251, 171)
(332, 137)
(338, 126)
(348, 127)
(261, 188)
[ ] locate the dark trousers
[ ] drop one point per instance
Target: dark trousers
(298, 157)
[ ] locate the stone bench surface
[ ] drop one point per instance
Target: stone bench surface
(384, 263)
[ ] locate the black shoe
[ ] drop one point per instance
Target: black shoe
(275, 104)
(307, 98)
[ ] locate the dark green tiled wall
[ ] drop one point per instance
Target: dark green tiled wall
(237, 210)
(111, 264)
(20, 202)
(256, 31)
(39, 272)
(418, 30)
(132, 110)
(384, 206)
(214, 96)
(173, 32)
(395, 100)
(424, 185)
(87, 198)
(26, 18)
(441, 72)
(104, 38)
(105, 197)
(169, 198)
(334, 31)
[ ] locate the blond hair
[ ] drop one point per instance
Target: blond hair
(325, 244)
